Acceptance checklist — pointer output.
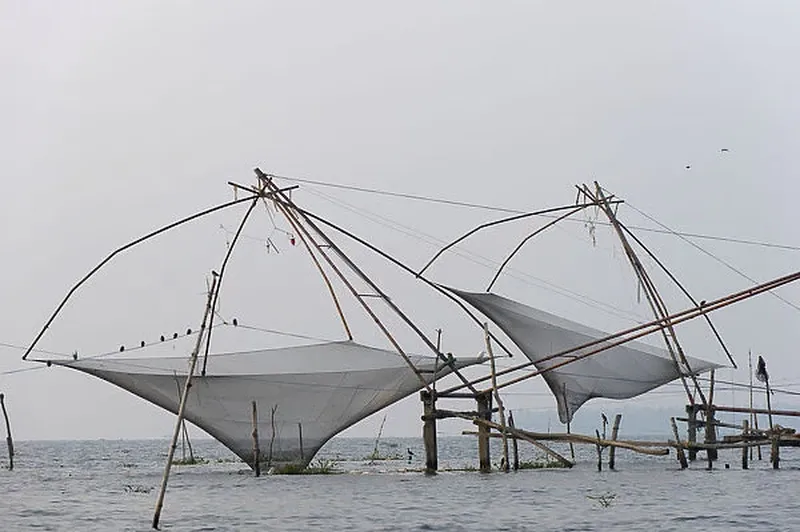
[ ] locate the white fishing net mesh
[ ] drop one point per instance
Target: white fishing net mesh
(316, 390)
(620, 372)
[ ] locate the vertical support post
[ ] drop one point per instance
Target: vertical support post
(691, 431)
(302, 452)
(776, 451)
(182, 406)
(755, 425)
(514, 442)
(9, 440)
(745, 438)
(500, 407)
(429, 432)
(599, 452)
(769, 406)
(256, 450)
(679, 448)
(484, 401)
(711, 426)
(612, 452)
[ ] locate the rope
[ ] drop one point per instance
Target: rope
(456, 203)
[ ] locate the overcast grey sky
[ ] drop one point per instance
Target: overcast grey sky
(119, 117)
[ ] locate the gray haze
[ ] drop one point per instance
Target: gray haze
(117, 119)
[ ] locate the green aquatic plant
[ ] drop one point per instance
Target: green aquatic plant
(541, 463)
(320, 467)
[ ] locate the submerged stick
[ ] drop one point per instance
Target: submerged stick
(9, 440)
(679, 447)
(182, 405)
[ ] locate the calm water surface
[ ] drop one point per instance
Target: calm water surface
(113, 485)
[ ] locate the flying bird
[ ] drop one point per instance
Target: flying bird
(724, 150)
(688, 166)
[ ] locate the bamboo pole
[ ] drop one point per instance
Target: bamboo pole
(182, 405)
(285, 205)
(502, 221)
(514, 444)
(497, 398)
(256, 450)
(642, 447)
(635, 332)
(654, 299)
(220, 278)
(9, 439)
(679, 448)
(124, 248)
(523, 435)
(614, 433)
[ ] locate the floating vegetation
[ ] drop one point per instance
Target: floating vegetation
(193, 460)
(604, 500)
(376, 456)
(541, 463)
(129, 488)
(320, 467)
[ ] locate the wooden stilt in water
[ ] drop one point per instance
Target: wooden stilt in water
(182, 406)
(776, 451)
(9, 439)
(300, 432)
(599, 451)
(484, 401)
(679, 448)
(500, 406)
(612, 452)
(272, 436)
(256, 450)
(691, 430)
(514, 443)
(711, 429)
(429, 432)
(745, 450)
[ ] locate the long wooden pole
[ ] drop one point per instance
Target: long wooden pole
(653, 297)
(639, 330)
(675, 319)
(500, 406)
(120, 250)
(9, 439)
(182, 405)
